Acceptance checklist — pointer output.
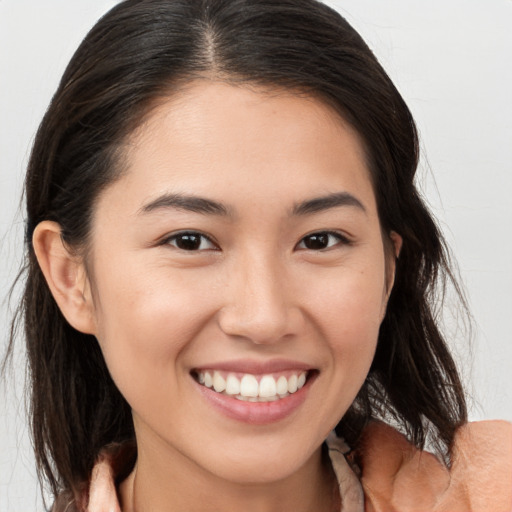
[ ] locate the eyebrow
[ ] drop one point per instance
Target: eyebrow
(187, 203)
(206, 206)
(320, 204)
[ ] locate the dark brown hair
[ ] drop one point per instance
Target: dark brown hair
(142, 50)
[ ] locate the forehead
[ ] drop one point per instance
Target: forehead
(233, 142)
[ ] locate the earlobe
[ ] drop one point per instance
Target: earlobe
(397, 242)
(396, 247)
(66, 277)
(391, 260)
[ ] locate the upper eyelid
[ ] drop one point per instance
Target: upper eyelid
(170, 236)
(343, 238)
(334, 232)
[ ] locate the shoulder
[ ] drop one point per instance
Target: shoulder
(397, 476)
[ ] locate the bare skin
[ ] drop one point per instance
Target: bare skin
(279, 267)
(196, 492)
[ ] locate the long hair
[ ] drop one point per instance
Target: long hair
(142, 51)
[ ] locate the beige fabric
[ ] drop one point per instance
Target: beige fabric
(351, 492)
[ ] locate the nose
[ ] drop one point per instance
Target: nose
(260, 305)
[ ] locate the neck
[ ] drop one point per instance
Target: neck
(159, 486)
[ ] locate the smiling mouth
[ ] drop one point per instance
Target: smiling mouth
(252, 388)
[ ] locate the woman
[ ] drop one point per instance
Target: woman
(228, 259)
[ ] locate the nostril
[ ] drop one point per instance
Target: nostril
(261, 326)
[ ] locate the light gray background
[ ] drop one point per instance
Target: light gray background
(451, 60)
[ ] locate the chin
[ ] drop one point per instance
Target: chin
(259, 460)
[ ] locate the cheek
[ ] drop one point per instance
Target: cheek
(347, 309)
(145, 320)
(351, 301)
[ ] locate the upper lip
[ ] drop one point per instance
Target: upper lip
(256, 367)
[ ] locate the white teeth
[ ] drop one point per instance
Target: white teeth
(219, 384)
(249, 386)
(268, 389)
(292, 384)
(282, 385)
(267, 386)
(232, 385)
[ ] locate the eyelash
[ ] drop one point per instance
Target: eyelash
(171, 240)
(341, 240)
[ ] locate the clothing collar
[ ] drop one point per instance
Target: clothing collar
(350, 489)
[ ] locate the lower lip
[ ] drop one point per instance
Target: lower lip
(256, 413)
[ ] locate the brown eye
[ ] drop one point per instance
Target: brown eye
(190, 241)
(321, 241)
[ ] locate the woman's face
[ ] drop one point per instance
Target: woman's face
(242, 248)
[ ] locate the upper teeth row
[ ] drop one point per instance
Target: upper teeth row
(248, 386)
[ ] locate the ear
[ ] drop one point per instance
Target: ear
(397, 242)
(66, 277)
(391, 259)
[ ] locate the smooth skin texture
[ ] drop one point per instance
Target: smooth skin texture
(263, 274)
